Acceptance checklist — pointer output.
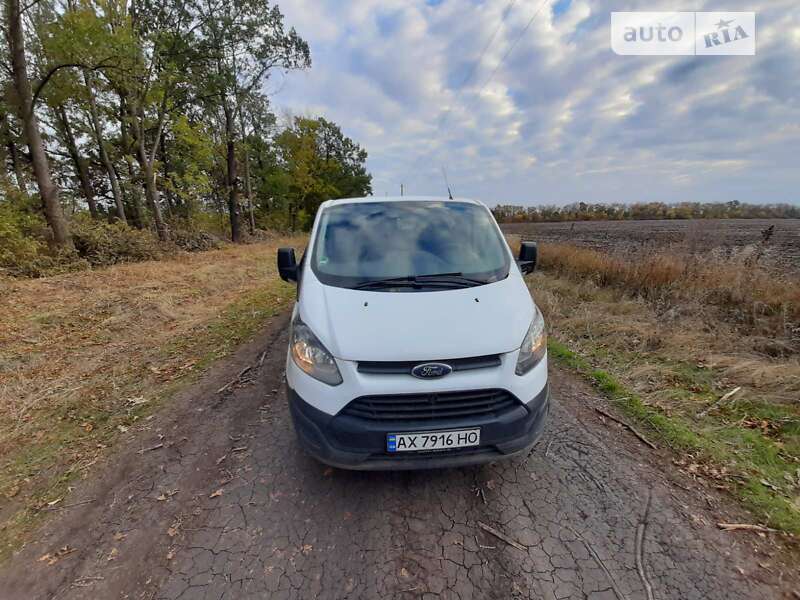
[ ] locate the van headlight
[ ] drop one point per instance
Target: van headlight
(534, 346)
(311, 356)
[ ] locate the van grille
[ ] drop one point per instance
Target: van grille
(404, 367)
(427, 407)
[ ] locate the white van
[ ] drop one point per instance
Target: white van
(415, 342)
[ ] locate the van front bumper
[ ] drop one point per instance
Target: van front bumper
(352, 443)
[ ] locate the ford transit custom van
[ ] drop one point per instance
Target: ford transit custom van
(414, 341)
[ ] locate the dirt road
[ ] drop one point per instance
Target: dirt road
(212, 499)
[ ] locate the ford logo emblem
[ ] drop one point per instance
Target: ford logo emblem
(431, 370)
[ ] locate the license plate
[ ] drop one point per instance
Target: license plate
(432, 440)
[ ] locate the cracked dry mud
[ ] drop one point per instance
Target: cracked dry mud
(284, 526)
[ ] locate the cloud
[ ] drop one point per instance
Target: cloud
(561, 118)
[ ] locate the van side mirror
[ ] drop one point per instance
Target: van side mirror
(287, 264)
(528, 256)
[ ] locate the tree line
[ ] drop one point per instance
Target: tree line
(152, 114)
(582, 211)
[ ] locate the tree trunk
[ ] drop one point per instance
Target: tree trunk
(4, 137)
(3, 167)
(9, 150)
(150, 188)
(165, 170)
(231, 178)
(53, 211)
(16, 165)
(80, 165)
(116, 190)
(219, 204)
(248, 190)
(135, 199)
(292, 215)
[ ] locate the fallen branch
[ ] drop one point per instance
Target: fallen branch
(261, 360)
(547, 450)
(630, 428)
(234, 381)
(156, 447)
(600, 563)
(745, 527)
(641, 529)
(69, 505)
(86, 581)
(719, 402)
(501, 536)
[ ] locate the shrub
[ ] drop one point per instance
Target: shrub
(102, 243)
(23, 246)
(19, 254)
(194, 240)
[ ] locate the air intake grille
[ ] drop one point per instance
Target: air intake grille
(427, 407)
(404, 367)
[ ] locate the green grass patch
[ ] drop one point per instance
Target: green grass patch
(748, 454)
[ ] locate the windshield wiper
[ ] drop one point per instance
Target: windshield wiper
(451, 278)
(419, 281)
(386, 283)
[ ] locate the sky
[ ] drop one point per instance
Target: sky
(549, 114)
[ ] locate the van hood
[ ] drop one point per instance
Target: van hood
(411, 326)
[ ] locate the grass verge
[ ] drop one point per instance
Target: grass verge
(702, 349)
(743, 459)
(87, 355)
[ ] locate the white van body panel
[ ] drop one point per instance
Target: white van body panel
(332, 399)
(431, 325)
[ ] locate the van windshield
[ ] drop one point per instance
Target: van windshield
(421, 244)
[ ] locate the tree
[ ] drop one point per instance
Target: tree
(54, 213)
(240, 42)
(77, 46)
(346, 160)
(81, 170)
(153, 112)
(306, 186)
(321, 163)
(157, 86)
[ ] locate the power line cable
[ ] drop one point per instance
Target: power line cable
(503, 17)
(468, 79)
(477, 63)
(514, 45)
(499, 64)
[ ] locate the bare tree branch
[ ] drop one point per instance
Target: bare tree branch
(29, 6)
(38, 91)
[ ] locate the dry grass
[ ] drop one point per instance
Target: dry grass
(81, 354)
(735, 320)
(679, 332)
(752, 297)
(610, 322)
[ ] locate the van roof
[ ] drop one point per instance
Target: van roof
(398, 199)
